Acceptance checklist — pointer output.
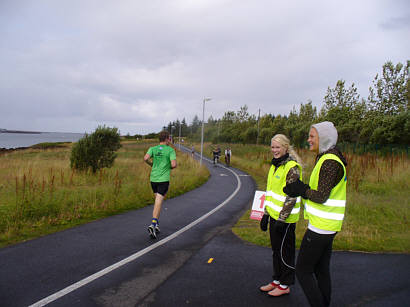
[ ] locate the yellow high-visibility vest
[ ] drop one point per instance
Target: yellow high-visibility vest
(329, 215)
(275, 197)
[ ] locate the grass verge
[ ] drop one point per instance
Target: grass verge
(41, 194)
(378, 207)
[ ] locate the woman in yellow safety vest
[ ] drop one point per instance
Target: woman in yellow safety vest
(282, 213)
(324, 208)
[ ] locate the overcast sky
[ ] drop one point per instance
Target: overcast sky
(69, 65)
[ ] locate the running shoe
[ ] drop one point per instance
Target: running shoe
(269, 287)
(278, 291)
(152, 232)
(157, 229)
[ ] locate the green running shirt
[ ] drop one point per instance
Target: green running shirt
(161, 155)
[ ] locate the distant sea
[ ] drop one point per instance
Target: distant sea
(15, 140)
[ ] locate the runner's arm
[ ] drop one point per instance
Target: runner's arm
(147, 160)
(173, 159)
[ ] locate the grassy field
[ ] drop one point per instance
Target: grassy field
(41, 194)
(378, 203)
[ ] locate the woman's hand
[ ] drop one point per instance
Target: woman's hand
(296, 188)
(264, 222)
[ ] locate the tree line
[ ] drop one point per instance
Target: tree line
(381, 118)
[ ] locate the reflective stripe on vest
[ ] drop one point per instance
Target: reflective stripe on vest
(282, 199)
(275, 197)
(329, 215)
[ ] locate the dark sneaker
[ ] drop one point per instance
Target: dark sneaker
(151, 231)
(157, 229)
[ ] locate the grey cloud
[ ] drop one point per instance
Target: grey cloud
(141, 64)
(397, 23)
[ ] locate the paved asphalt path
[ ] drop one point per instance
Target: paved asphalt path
(175, 270)
(40, 268)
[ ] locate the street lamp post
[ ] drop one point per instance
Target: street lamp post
(202, 133)
(179, 139)
(172, 137)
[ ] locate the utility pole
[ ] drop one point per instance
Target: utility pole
(257, 137)
(219, 128)
(179, 136)
(202, 133)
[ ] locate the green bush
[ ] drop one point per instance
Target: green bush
(96, 150)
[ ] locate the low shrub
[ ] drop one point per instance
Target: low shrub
(97, 150)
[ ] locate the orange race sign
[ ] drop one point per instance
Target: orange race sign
(258, 205)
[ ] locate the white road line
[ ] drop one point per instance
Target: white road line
(131, 258)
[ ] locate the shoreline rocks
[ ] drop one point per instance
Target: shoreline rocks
(4, 150)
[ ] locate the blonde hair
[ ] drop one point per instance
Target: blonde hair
(284, 141)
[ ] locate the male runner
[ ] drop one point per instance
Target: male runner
(228, 154)
(216, 153)
(163, 160)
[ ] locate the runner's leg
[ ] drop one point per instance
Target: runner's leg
(157, 205)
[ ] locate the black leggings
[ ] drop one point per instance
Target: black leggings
(283, 253)
(312, 267)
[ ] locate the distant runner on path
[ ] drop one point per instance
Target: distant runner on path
(216, 152)
(228, 154)
(163, 160)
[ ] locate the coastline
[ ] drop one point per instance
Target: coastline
(23, 139)
(4, 150)
(18, 131)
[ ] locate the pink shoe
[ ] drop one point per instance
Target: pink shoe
(278, 291)
(269, 287)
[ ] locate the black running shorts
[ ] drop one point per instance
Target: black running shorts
(160, 187)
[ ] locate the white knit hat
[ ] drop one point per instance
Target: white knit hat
(327, 135)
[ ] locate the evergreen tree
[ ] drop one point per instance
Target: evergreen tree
(389, 94)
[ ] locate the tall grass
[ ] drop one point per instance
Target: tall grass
(378, 203)
(40, 193)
